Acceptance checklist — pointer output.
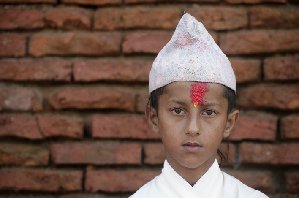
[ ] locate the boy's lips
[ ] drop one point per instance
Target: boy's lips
(192, 146)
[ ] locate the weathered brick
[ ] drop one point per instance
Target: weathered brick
(75, 43)
(92, 98)
(99, 153)
(23, 154)
(92, 2)
(142, 100)
(15, 18)
(22, 126)
(256, 1)
(68, 18)
(100, 180)
(274, 17)
(274, 154)
(282, 68)
(12, 44)
(40, 180)
(292, 181)
(137, 17)
(261, 180)
(154, 154)
(272, 96)
(255, 125)
(246, 70)
(19, 99)
(165, 1)
(220, 18)
(145, 42)
(121, 126)
(35, 70)
(27, 1)
(259, 41)
(290, 126)
(60, 126)
(112, 69)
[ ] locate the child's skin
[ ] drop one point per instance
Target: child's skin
(191, 134)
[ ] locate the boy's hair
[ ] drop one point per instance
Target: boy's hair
(227, 93)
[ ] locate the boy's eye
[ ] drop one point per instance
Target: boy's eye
(177, 111)
(209, 112)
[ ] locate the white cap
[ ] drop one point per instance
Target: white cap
(191, 55)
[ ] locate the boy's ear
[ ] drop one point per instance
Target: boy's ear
(231, 121)
(152, 117)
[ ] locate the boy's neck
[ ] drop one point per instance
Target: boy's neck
(192, 175)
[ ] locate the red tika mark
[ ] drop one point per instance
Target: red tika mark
(197, 92)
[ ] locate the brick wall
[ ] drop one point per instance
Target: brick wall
(74, 85)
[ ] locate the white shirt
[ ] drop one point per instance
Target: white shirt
(213, 184)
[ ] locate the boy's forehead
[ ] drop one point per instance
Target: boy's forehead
(184, 88)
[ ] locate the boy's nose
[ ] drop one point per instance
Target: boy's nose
(193, 127)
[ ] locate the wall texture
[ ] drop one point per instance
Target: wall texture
(74, 86)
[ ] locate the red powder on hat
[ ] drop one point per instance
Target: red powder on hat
(197, 92)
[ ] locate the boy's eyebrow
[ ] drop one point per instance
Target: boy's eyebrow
(177, 101)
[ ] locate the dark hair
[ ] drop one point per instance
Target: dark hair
(227, 93)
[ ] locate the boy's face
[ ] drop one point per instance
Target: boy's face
(191, 133)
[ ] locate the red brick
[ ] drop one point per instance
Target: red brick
(40, 180)
(261, 180)
(22, 126)
(289, 127)
(220, 18)
(274, 17)
(259, 41)
(68, 18)
(112, 69)
(15, 18)
(19, 99)
(121, 126)
(154, 154)
(282, 68)
(92, 98)
(271, 96)
(256, 1)
(12, 44)
(35, 70)
(164, 1)
(92, 2)
(142, 100)
(27, 1)
(60, 126)
(246, 70)
(75, 43)
(117, 180)
(278, 154)
(99, 153)
(292, 181)
(145, 42)
(137, 17)
(255, 125)
(23, 154)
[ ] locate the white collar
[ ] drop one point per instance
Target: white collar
(181, 187)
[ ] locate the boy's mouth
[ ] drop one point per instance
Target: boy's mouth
(192, 146)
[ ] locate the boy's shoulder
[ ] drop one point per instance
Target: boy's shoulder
(145, 190)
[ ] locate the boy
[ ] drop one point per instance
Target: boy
(192, 92)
